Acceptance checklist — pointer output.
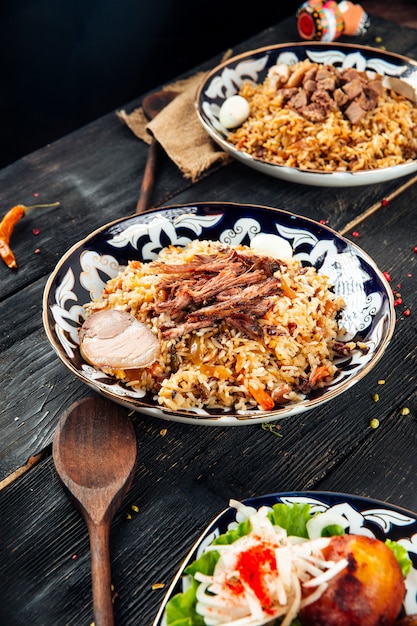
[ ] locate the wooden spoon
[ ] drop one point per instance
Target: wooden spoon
(152, 105)
(94, 451)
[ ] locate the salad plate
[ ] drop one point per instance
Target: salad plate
(364, 516)
(225, 80)
(81, 274)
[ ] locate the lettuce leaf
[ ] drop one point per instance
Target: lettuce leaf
(293, 518)
(401, 555)
(180, 610)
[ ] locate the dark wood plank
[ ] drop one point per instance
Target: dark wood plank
(383, 465)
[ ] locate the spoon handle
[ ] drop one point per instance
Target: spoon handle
(148, 178)
(101, 574)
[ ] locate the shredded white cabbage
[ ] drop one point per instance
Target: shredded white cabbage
(264, 575)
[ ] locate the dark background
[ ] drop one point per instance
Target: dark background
(64, 63)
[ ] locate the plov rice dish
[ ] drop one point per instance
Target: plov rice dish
(237, 330)
(319, 117)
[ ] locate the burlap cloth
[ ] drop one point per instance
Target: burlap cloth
(179, 131)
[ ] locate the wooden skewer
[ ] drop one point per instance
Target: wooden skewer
(372, 209)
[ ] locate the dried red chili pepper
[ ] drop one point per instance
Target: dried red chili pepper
(7, 225)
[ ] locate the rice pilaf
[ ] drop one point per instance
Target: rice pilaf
(278, 133)
(238, 330)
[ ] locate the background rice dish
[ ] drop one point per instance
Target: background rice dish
(280, 134)
(237, 330)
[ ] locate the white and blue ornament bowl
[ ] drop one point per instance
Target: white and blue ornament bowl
(226, 79)
(364, 516)
(83, 271)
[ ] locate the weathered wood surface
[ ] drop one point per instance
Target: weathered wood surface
(186, 475)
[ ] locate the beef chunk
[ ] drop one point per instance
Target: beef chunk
(350, 74)
(327, 88)
(353, 89)
(367, 100)
(310, 85)
(324, 99)
(287, 93)
(376, 87)
(299, 99)
(313, 112)
(340, 98)
(354, 113)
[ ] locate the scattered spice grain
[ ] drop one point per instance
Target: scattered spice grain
(158, 586)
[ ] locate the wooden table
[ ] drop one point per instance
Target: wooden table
(186, 474)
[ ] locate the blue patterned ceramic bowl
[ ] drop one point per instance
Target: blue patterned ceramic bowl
(82, 272)
(225, 80)
(364, 516)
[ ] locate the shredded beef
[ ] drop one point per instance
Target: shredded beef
(249, 325)
(186, 327)
(236, 288)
